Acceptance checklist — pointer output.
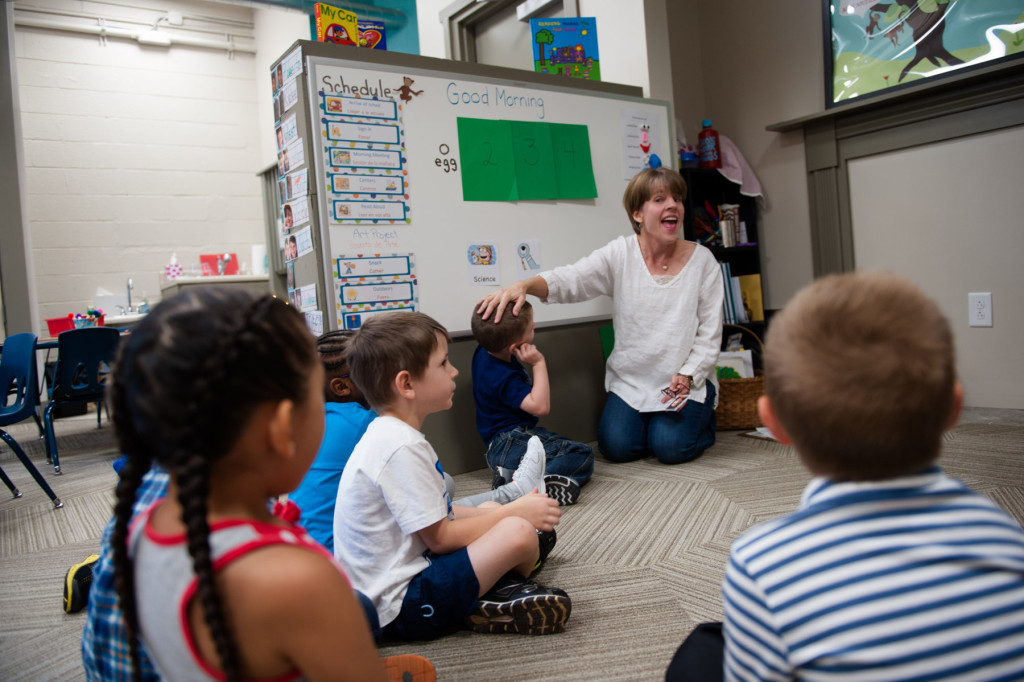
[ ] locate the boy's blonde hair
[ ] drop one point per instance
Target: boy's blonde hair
(387, 344)
(860, 372)
(643, 186)
(497, 336)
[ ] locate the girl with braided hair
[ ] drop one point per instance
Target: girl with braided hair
(225, 391)
(346, 418)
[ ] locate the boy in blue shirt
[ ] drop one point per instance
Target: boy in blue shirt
(509, 404)
(890, 569)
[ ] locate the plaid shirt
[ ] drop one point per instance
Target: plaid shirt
(105, 652)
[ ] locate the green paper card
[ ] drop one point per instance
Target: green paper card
(486, 156)
(574, 170)
(535, 165)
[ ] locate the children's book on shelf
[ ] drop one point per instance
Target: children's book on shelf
(740, 313)
(335, 25)
(566, 46)
(734, 310)
(372, 35)
(750, 288)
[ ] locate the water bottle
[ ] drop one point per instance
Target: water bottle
(707, 143)
(688, 157)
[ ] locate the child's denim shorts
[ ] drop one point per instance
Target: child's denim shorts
(438, 599)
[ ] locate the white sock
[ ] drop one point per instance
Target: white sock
(530, 473)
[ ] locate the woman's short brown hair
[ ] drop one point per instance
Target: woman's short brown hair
(644, 185)
(860, 371)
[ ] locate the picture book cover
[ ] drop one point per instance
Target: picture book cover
(335, 25)
(566, 46)
(750, 287)
(372, 35)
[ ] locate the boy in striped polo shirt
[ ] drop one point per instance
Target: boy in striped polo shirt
(889, 570)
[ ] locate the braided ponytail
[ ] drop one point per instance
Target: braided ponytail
(124, 576)
(128, 485)
(193, 489)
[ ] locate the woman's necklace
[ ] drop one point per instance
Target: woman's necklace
(640, 242)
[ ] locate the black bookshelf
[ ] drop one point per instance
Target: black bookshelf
(706, 190)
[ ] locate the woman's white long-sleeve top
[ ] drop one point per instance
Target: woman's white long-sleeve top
(661, 328)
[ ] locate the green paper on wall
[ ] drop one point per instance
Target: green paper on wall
(535, 165)
(513, 160)
(574, 169)
(486, 156)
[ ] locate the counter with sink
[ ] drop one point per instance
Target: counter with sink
(122, 320)
(258, 284)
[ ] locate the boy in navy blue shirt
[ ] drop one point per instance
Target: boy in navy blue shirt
(509, 404)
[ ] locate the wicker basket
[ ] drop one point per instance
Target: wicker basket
(737, 398)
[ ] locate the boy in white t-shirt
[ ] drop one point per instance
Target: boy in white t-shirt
(428, 566)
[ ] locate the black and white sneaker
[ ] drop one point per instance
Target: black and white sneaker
(562, 489)
(516, 605)
(546, 539)
(502, 476)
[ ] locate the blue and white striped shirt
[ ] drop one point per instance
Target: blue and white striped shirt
(915, 578)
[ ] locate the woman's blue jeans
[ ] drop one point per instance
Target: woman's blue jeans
(625, 435)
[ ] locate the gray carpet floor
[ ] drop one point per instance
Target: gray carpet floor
(642, 554)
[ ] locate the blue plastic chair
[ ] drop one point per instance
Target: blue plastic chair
(18, 380)
(84, 357)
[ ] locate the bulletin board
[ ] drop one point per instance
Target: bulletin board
(437, 181)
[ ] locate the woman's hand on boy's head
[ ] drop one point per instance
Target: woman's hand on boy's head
(540, 510)
(496, 301)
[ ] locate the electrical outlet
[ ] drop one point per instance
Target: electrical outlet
(979, 309)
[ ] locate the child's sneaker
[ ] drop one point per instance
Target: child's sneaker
(529, 475)
(517, 605)
(77, 583)
(498, 479)
(409, 668)
(546, 539)
(562, 489)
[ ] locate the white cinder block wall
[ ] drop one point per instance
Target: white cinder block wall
(133, 152)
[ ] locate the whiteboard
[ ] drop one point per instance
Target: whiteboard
(426, 239)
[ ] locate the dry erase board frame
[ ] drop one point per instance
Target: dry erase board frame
(441, 226)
